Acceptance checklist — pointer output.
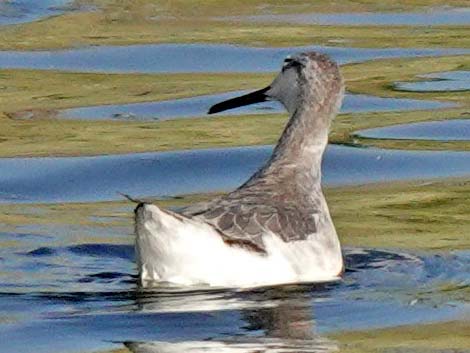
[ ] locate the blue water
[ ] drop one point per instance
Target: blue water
(445, 130)
(68, 279)
(451, 81)
(21, 11)
(198, 106)
(191, 57)
(85, 298)
(100, 178)
(450, 17)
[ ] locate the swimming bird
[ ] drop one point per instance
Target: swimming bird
(275, 228)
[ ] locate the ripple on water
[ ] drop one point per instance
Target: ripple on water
(81, 179)
(451, 81)
(191, 57)
(198, 106)
(445, 130)
(95, 307)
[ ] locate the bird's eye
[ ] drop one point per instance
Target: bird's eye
(289, 62)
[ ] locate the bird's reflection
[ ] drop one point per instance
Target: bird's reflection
(274, 320)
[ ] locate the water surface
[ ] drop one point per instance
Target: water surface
(72, 288)
(445, 130)
(451, 81)
(85, 297)
(450, 17)
(102, 178)
(198, 106)
(191, 57)
(21, 11)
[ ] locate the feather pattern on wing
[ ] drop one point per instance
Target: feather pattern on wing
(248, 213)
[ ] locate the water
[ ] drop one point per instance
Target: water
(68, 280)
(191, 57)
(450, 17)
(451, 81)
(198, 106)
(101, 178)
(445, 130)
(21, 11)
(85, 298)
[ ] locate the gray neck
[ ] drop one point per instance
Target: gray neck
(299, 152)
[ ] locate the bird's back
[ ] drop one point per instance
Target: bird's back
(263, 205)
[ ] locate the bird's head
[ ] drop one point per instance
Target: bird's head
(309, 79)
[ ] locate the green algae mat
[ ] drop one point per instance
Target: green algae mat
(45, 92)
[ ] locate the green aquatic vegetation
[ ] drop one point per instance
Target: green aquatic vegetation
(89, 214)
(346, 126)
(376, 77)
(24, 90)
(78, 138)
(21, 138)
(450, 336)
(69, 223)
(99, 216)
(429, 216)
(144, 22)
(49, 90)
(188, 8)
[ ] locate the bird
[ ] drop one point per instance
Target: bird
(275, 228)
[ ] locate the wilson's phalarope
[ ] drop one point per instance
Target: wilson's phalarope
(276, 227)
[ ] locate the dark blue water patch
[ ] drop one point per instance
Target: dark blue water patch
(30, 237)
(95, 332)
(43, 251)
(198, 106)
(98, 332)
(22, 11)
(96, 319)
(451, 81)
(371, 258)
(163, 174)
(104, 250)
(169, 58)
(450, 17)
(96, 250)
(107, 277)
(445, 130)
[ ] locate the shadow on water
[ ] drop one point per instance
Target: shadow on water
(445, 130)
(451, 81)
(198, 106)
(380, 289)
(101, 178)
(191, 57)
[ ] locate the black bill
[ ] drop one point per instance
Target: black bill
(250, 98)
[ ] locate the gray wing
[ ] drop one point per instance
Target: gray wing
(243, 221)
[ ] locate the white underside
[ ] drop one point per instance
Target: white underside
(190, 252)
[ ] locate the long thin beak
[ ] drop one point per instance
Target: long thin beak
(250, 98)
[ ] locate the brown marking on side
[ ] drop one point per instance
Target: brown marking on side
(242, 243)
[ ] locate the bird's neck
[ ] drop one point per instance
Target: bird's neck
(302, 144)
